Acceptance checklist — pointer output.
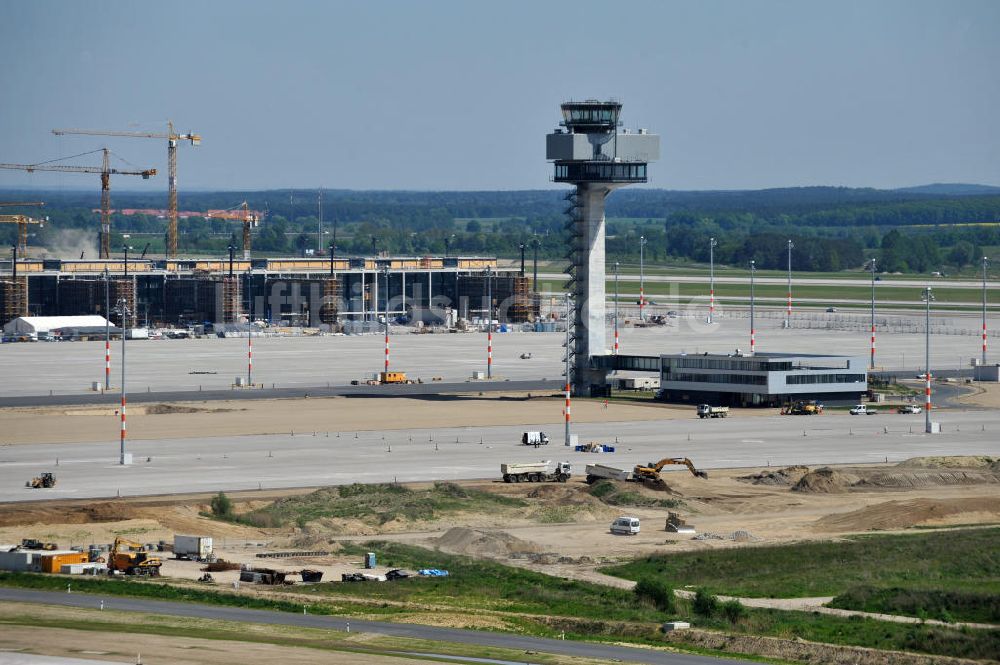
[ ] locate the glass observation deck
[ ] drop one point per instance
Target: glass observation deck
(574, 172)
(591, 116)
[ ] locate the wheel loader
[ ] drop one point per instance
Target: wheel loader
(45, 480)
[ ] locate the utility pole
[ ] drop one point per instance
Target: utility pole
(124, 313)
(928, 297)
(872, 362)
(249, 330)
(107, 329)
(985, 261)
(753, 271)
(489, 323)
(386, 316)
(522, 259)
(616, 308)
(642, 277)
(319, 226)
(788, 317)
(569, 313)
(712, 243)
(534, 276)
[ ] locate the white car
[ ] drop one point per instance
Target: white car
(909, 408)
(862, 410)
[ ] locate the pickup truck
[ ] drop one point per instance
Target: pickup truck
(862, 410)
(909, 408)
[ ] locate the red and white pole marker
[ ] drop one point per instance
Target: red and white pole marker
(107, 363)
(752, 341)
(984, 339)
(711, 305)
(927, 391)
(873, 347)
(122, 441)
(489, 351)
(249, 358)
(642, 301)
(616, 338)
(387, 348)
(567, 406)
(789, 305)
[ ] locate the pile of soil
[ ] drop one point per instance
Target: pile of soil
(786, 477)
(49, 513)
(827, 480)
(981, 462)
(905, 514)
(165, 409)
(482, 543)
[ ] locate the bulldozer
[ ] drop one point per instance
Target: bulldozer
(649, 474)
(132, 559)
(45, 480)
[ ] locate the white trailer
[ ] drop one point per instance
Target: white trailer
(536, 472)
(639, 383)
(597, 472)
(192, 547)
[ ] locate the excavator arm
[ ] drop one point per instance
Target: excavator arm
(654, 468)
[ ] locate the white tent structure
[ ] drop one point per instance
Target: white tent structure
(34, 325)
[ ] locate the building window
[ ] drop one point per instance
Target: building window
(799, 379)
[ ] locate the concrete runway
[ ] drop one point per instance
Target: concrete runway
(167, 466)
(68, 368)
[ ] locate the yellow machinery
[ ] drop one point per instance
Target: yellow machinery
(22, 222)
(45, 480)
(392, 377)
(650, 474)
(130, 558)
(801, 408)
(243, 213)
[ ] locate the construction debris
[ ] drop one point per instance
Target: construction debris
(676, 524)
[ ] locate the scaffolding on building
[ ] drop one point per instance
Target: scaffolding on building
(330, 307)
(231, 299)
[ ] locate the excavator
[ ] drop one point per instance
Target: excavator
(130, 558)
(650, 474)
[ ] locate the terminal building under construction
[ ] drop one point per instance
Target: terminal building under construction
(309, 292)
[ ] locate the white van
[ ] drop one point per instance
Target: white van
(534, 439)
(628, 526)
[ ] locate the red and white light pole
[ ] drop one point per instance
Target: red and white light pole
(616, 308)
(985, 260)
(712, 243)
(927, 298)
(107, 330)
(872, 361)
(642, 278)
(249, 332)
(386, 317)
(753, 271)
(566, 412)
(788, 318)
(489, 324)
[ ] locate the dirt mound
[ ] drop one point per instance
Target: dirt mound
(482, 543)
(105, 511)
(786, 477)
(826, 481)
(956, 462)
(905, 514)
(165, 409)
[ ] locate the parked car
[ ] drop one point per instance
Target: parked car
(626, 525)
(909, 408)
(831, 309)
(862, 410)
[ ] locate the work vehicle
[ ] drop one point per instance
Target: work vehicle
(626, 525)
(45, 480)
(862, 410)
(597, 472)
(132, 559)
(536, 472)
(650, 473)
(709, 411)
(535, 439)
(802, 408)
(393, 378)
(909, 408)
(398, 574)
(32, 544)
(193, 547)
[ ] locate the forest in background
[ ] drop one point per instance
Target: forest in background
(932, 228)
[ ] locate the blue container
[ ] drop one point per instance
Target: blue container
(370, 560)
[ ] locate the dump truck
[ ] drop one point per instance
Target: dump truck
(709, 411)
(192, 547)
(132, 559)
(534, 439)
(45, 480)
(597, 472)
(536, 472)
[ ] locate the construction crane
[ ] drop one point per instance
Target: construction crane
(172, 138)
(242, 212)
(106, 172)
(22, 221)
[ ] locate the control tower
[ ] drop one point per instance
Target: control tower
(589, 151)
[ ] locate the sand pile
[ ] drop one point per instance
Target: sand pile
(51, 513)
(826, 481)
(905, 514)
(786, 477)
(956, 462)
(482, 543)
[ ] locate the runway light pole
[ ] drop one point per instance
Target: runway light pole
(123, 312)
(872, 362)
(788, 316)
(712, 243)
(386, 272)
(616, 308)
(985, 262)
(489, 323)
(249, 331)
(927, 298)
(753, 271)
(569, 313)
(534, 267)
(107, 329)
(642, 277)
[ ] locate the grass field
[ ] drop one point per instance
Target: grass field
(924, 561)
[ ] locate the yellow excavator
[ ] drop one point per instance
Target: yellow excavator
(650, 474)
(132, 559)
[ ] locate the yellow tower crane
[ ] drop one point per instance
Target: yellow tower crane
(242, 212)
(106, 172)
(172, 138)
(22, 222)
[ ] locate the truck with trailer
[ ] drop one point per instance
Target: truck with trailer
(536, 472)
(597, 472)
(534, 439)
(198, 548)
(709, 411)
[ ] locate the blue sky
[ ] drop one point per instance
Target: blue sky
(459, 95)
